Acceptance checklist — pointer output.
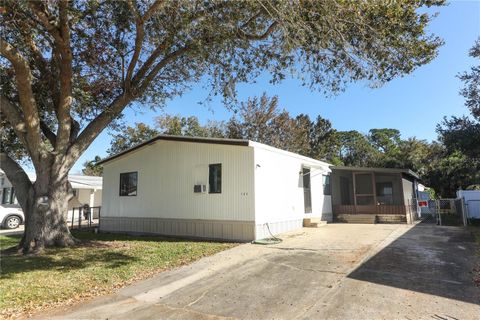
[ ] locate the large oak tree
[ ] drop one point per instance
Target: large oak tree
(69, 69)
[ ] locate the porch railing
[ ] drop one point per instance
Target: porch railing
(373, 209)
(85, 217)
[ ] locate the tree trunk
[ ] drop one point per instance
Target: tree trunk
(46, 210)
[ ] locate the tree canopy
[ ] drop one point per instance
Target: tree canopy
(68, 69)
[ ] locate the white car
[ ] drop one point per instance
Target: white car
(11, 216)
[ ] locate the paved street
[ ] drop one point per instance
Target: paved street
(340, 271)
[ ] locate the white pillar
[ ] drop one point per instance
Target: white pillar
(92, 197)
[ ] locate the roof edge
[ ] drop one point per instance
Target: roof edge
(398, 170)
(234, 142)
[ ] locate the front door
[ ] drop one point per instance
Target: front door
(307, 194)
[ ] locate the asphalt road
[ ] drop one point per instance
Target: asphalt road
(340, 271)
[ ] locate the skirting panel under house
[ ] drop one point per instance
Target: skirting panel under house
(262, 230)
(207, 229)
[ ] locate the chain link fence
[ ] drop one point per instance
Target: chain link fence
(448, 212)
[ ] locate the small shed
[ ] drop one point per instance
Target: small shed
(212, 188)
(383, 194)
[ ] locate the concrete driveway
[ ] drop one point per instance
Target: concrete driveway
(340, 271)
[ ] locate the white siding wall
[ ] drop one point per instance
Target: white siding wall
(167, 172)
(472, 201)
(98, 198)
(279, 199)
(83, 196)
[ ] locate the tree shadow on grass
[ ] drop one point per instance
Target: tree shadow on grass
(104, 236)
(63, 259)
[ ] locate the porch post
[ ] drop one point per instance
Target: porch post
(405, 208)
(92, 197)
(354, 193)
(374, 192)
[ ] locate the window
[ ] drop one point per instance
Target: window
(8, 196)
(327, 188)
(128, 184)
(215, 178)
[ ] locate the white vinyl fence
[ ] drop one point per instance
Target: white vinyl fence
(471, 199)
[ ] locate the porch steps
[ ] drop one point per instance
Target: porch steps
(391, 218)
(313, 223)
(371, 218)
(357, 218)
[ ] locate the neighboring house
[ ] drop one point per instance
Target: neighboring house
(374, 194)
(87, 191)
(425, 202)
(212, 188)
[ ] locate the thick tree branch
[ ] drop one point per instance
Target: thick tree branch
(140, 34)
(14, 116)
(162, 47)
(150, 61)
(151, 11)
(66, 75)
(48, 133)
(75, 129)
(94, 128)
(23, 79)
(44, 18)
(17, 176)
(160, 65)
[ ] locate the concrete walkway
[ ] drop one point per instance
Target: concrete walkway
(340, 271)
(12, 232)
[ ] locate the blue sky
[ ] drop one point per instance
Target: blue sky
(413, 104)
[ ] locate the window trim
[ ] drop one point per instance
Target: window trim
(120, 184)
(210, 166)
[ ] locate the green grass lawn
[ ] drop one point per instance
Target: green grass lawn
(101, 264)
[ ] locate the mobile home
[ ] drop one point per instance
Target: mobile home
(212, 188)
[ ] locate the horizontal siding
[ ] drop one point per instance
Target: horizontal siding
(167, 172)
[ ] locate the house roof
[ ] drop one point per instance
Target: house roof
(85, 182)
(76, 180)
(234, 142)
(382, 170)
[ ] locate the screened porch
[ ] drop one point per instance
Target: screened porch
(369, 192)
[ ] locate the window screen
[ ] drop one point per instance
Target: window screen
(215, 178)
(128, 184)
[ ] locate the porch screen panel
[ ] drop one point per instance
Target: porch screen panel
(363, 184)
(364, 194)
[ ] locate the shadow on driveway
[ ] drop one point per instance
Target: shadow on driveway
(427, 259)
